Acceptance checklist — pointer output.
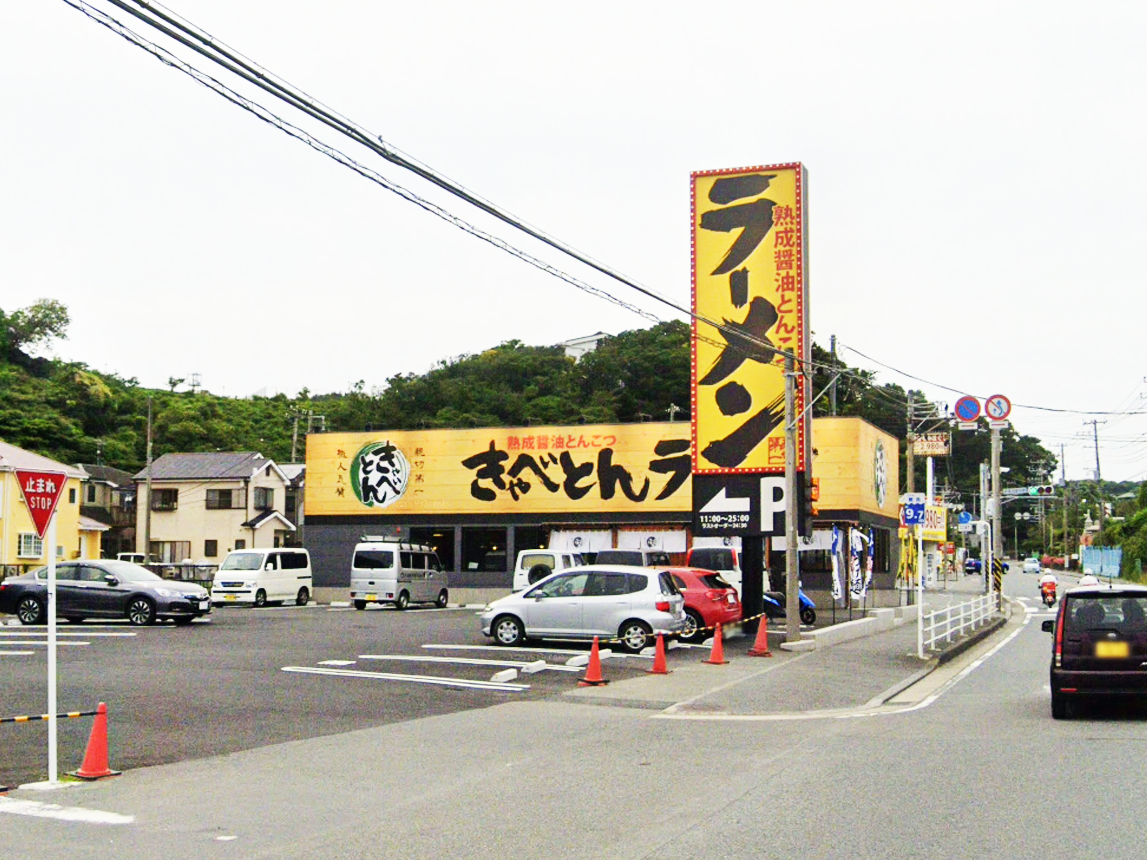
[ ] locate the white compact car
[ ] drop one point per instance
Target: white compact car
(609, 601)
(262, 576)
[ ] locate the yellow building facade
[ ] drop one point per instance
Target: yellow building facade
(21, 549)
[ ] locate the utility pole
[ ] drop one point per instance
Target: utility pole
(792, 568)
(1066, 542)
(832, 385)
(1098, 485)
(911, 439)
(295, 437)
(997, 505)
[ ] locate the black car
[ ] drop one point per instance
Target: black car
(1100, 646)
(103, 589)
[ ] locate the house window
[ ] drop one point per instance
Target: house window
(264, 498)
(91, 493)
(30, 545)
(211, 548)
(240, 544)
(224, 499)
(71, 495)
(165, 500)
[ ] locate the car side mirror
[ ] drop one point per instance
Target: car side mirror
(111, 580)
(1048, 626)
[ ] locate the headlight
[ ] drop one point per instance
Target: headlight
(168, 592)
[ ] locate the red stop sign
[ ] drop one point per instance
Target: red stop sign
(41, 491)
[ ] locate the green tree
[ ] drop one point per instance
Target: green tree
(36, 325)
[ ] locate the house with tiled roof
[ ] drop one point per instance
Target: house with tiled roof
(21, 548)
(108, 496)
(202, 506)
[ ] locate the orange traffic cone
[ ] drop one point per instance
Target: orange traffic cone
(593, 670)
(717, 655)
(95, 764)
(761, 645)
(659, 667)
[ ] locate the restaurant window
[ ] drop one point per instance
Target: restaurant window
(484, 550)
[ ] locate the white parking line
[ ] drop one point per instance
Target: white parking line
(43, 642)
(62, 634)
(15, 653)
(414, 679)
(37, 809)
(463, 661)
(569, 652)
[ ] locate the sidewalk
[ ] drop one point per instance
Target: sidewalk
(857, 673)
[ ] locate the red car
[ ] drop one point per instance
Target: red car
(709, 601)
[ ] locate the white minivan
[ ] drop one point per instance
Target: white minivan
(535, 564)
(262, 576)
(390, 571)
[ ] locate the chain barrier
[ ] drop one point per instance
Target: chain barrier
(617, 640)
(35, 717)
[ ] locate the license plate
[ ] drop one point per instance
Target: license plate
(1112, 649)
(229, 597)
(204, 605)
(372, 597)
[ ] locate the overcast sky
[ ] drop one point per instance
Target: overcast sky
(975, 171)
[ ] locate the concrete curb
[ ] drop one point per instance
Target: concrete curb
(958, 648)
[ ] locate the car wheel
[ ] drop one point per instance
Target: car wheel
(443, 599)
(509, 631)
(402, 601)
(30, 611)
(260, 598)
(141, 611)
(303, 597)
(360, 604)
(634, 635)
(1059, 709)
(538, 571)
(693, 623)
(808, 616)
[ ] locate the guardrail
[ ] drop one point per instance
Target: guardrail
(944, 625)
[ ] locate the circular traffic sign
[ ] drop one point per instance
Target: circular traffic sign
(997, 407)
(967, 408)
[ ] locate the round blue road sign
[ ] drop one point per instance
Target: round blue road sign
(968, 408)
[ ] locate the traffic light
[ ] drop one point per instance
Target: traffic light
(1042, 490)
(810, 493)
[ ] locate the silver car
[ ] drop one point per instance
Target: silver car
(630, 604)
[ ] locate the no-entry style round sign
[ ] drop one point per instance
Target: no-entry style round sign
(967, 408)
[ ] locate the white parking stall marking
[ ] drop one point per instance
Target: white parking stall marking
(63, 634)
(463, 661)
(336, 662)
(37, 809)
(15, 653)
(38, 642)
(569, 652)
(414, 679)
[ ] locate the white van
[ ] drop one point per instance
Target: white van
(262, 576)
(533, 564)
(390, 571)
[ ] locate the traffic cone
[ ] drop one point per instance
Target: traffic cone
(95, 764)
(717, 655)
(761, 645)
(659, 667)
(593, 670)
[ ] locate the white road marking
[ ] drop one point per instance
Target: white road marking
(336, 662)
(462, 661)
(37, 809)
(62, 633)
(414, 679)
(43, 642)
(504, 648)
(15, 653)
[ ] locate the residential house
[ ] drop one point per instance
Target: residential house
(296, 485)
(108, 496)
(202, 506)
(21, 549)
(576, 347)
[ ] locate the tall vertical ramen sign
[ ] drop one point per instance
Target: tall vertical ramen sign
(749, 276)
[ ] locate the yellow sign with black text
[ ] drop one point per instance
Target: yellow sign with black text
(529, 470)
(748, 278)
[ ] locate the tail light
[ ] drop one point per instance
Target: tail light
(715, 594)
(1059, 635)
(662, 606)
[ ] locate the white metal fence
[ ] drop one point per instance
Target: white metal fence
(944, 625)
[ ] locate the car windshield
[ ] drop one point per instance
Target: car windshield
(243, 561)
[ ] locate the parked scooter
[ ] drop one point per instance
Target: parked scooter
(1047, 593)
(775, 606)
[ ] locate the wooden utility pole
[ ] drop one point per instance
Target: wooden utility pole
(911, 439)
